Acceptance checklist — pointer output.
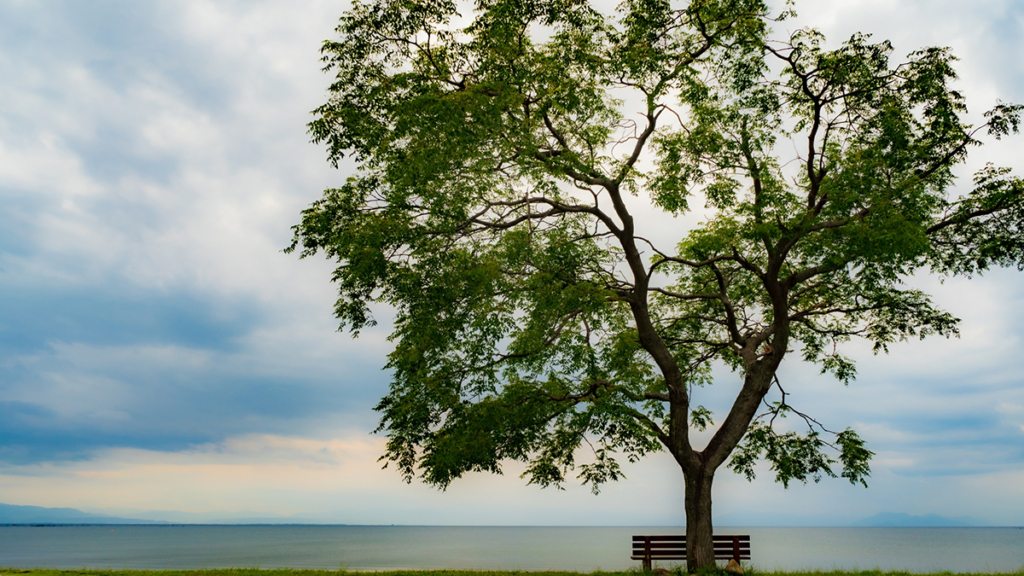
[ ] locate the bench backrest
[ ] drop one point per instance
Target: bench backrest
(727, 547)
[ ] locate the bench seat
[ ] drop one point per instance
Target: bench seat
(650, 548)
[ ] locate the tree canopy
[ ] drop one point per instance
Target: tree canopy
(507, 155)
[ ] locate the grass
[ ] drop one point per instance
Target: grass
(293, 572)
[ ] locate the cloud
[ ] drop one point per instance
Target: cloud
(76, 397)
(154, 159)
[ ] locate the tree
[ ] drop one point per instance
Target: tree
(502, 157)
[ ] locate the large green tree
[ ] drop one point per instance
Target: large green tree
(507, 156)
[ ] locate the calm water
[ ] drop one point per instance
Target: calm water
(527, 548)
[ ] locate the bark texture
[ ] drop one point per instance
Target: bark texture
(700, 550)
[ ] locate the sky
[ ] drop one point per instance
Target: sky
(159, 351)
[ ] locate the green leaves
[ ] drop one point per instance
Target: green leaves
(983, 229)
(801, 457)
(1004, 119)
(854, 457)
(792, 457)
(536, 319)
(701, 418)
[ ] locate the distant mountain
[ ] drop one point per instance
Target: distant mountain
(901, 519)
(11, 514)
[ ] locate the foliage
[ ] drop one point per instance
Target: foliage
(507, 157)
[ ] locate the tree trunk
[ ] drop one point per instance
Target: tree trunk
(700, 550)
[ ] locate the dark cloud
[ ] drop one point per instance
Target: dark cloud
(81, 399)
(117, 365)
(32, 433)
(32, 316)
(171, 412)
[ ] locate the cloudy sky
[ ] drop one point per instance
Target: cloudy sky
(158, 351)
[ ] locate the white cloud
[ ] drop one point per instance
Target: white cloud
(1010, 408)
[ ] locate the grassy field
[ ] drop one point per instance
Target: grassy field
(286, 572)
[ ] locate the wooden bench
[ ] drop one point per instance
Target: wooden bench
(650, 548)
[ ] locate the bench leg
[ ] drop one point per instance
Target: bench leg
(647, 554)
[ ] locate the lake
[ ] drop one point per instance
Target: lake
(505, 548)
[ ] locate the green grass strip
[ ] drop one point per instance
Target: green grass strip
(292, 572)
